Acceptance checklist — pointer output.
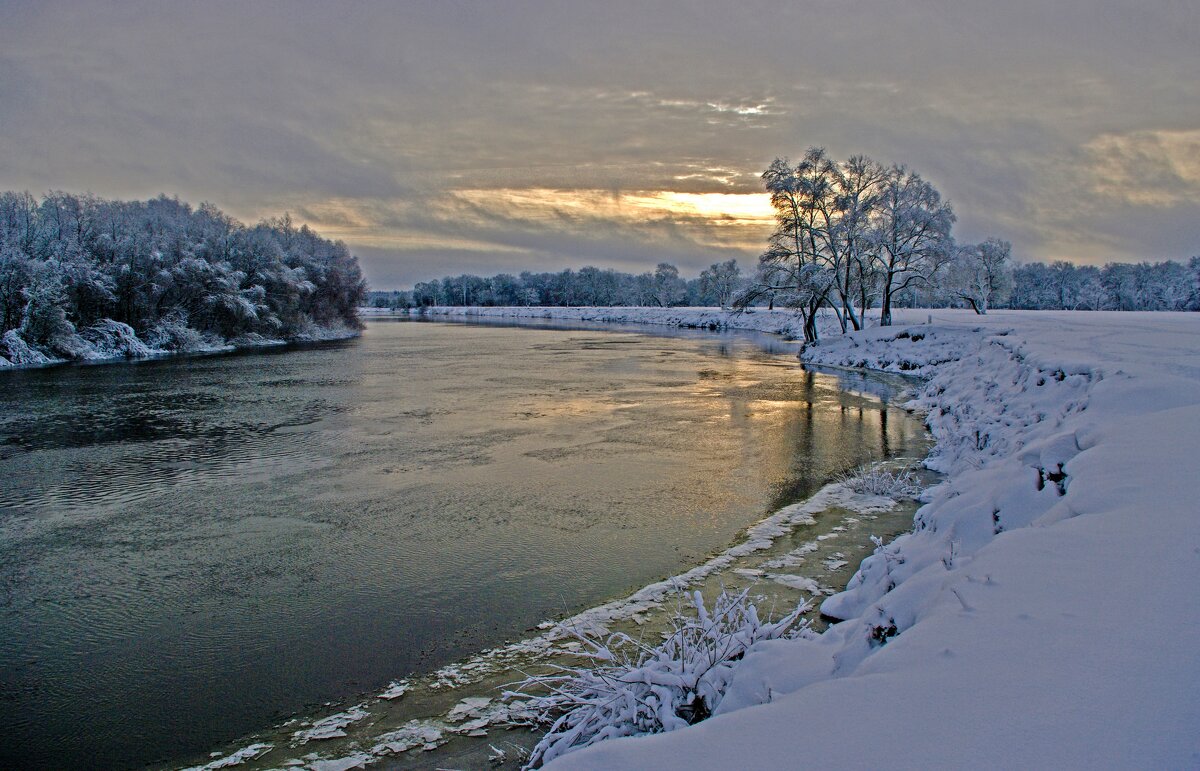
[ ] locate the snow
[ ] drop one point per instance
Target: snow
(802, 583)
(630, 687)
(331, 727)
(1043, 611)
(252, 752)
(20, 353)
(357, 760)
(395, 690)
(781, 322)
(472, 706)
(108, 340)
(426, 734)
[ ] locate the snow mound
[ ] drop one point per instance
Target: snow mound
(19, 353)
(113, 339)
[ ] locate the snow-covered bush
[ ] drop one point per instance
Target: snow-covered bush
(633, 688)
(115, 338)
(877, 480)
(172, 333)
(19, 352)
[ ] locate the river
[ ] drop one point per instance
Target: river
(193, 549)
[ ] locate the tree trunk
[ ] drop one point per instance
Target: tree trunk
(810, 327)
(851, 316)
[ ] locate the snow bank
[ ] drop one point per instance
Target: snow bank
(1043, 611)
(19, 353)
(109, 340)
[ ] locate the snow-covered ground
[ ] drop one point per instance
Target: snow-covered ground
(781, 322)
(1043, 612)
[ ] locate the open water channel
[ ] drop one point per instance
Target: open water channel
(193, 550)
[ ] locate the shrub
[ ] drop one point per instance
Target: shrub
(880, 481)
(632, 688)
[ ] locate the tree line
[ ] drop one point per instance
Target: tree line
(74, 270)
(663, 287)
(987, 276)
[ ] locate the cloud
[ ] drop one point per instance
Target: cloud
(1146, 168)
(1066, 128)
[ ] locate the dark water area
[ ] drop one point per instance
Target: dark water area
(194, 549)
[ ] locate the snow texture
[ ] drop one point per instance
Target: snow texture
(331, 727)
(426, 734)
(395, 690)
(109, 340)
(252, 752)
(1042, 613)
(630, 688)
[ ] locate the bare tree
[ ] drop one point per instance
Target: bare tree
(790, 269)
(720, 279)
(910, 236)
(981, 274)
(668, 288)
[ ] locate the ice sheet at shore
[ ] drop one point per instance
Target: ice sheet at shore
(1043, 613)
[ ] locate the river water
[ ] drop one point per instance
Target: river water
(194, 549)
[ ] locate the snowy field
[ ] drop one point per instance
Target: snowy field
(1043, 612)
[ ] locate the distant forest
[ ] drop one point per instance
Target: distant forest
(82, 278)
(1142, 286)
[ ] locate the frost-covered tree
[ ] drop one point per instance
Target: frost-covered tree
(669, 288)
(720, 281)
(77, 269)
(856, 188)
(15, 274)
(981, 274)
(910, 236)
(44, 321)
(791, 269)
(848, 234)
(1193, 274)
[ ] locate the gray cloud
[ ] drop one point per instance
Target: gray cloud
(371, 118)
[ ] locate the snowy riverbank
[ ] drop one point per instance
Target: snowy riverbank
(1043, 612)
(111, 341)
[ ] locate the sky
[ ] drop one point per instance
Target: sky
(449, 136)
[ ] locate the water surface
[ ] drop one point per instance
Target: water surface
(194, 549)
